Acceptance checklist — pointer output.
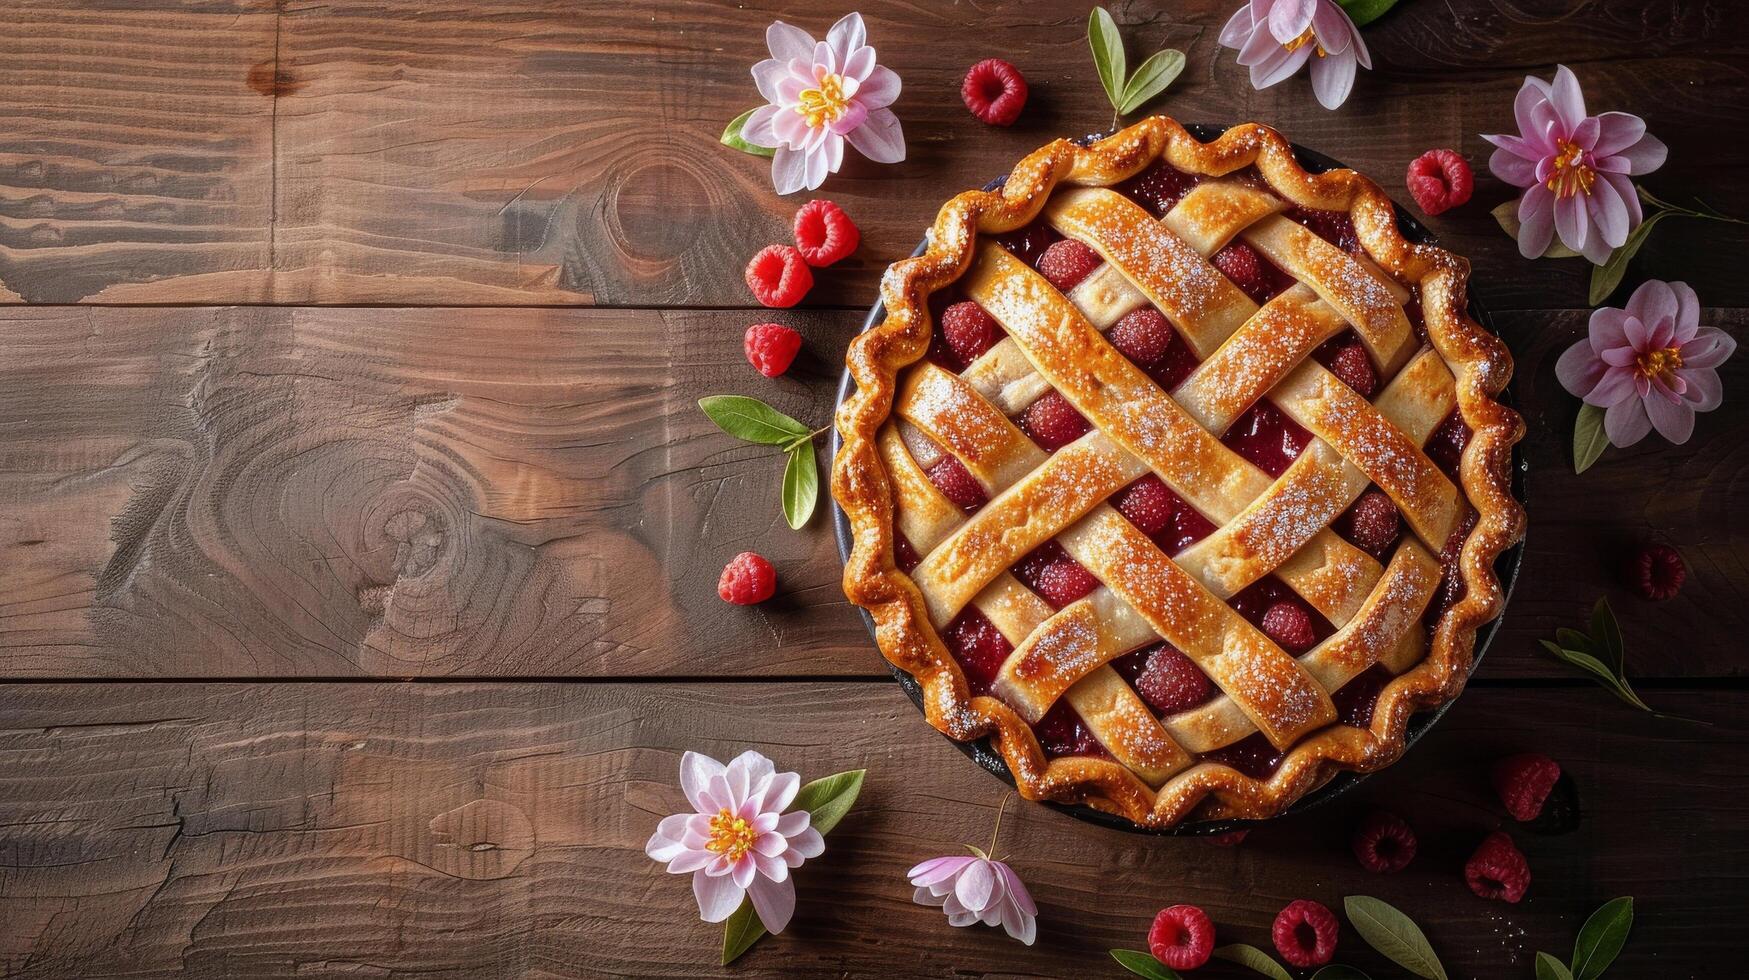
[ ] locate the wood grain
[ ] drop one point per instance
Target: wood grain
(496, 831)
(551, 151)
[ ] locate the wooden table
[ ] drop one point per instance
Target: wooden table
(359, 531)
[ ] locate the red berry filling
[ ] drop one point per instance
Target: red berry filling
(1657, 572)
(1057, 578)
(1289, 625)
(1171, 682)
(1383, 843)
(771, 348)
(1143, 335)
(955, 482)
(1440, 180)
(1451, 583)
(824, 233)
(1182, 937)
(1281, 614)
(994, 91)
(1065, 263)
(1062, 732)
(1498, 869)
(1029, 243)
(1232, 838)
(1158, 188)
(1445, 447)
(1267, 438)
(1356, 699)
(1305, 933)
(1523, 783)
(1346, 357)
(1052, 422)
(1373, 523)
(778, 276)
(1252, 755)
(969, 331)
(904, 555)
(1148, 504)
(1255, 277)
(978, 647)
(1335, 227)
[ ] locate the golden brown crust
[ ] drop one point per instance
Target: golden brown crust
(860, 482)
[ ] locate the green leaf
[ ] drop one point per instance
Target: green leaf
(1549, 968)
(1336, 971)
(801, 485)
(1589, 439)
(732, 136)
(1254, 959)
(1607, 632)
(1364, 12)
(1601, 938)
(1646, 195)
(1572, 639)
(1607, 276)
(741, 931)
(1108, 58)
(752, 420)
(1394, 935)
(1507, 215)
(1144, 965)
(1159, 71)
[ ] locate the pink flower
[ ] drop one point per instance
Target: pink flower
(1574, 169)
(1276, 37)
(1650, 365)
(973, 888)
(739, 842)
(820, 94)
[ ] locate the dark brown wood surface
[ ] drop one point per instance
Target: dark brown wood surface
(351, 344)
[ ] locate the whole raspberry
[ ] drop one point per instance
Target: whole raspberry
(1158, 188)
(1374, 522)
(1232, 838)
(1523, 783)
(1057, 578)
(995, 91)
(979, 648)
(1498, 869)
(1335, 227)
(1148, 504)
(1440, 180)
(1172, 682)
(1143, 335)
(1290, 626)
(1658, 572)
(824, 233)
(771, 347)
(1383, 843)
(951, 477)
(1353, 367)
(747, 579)
(1305, 933)
(1052, 422)
(969, 331)
(1068, 262)
(1182, 937)
(1240, 263)
(778, 276)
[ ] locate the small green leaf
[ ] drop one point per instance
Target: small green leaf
(752, 420)
(1600, 939)
(741, 931)
(1144, 965)
(1589, 439)
(732, 136)
(1150, 79)
(1507, 215)
(1336, 971)
(1108, 57)
(1253, 959)
(1364, 12)
(1572, 639)
(801, 485)
(1607, 634)
(1549, 968)
(1607, 276)
(1396, 937)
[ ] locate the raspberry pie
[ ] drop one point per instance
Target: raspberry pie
(1177, 472)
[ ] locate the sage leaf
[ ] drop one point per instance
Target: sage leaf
(1607, 634)
(1364, 12)
(741, 931)
(732, 136)
(1600, 939)
(801, 484)
(1254, 959)
(1144, 965)
(1396, 937)
(1336, 971)
(1606, 277)
(1108, 58)
(1150, 79)
(752, 420)
(1507, 216)
(1589, 439)
(1549, 968)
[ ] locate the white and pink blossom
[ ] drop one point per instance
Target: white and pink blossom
(974, 888)
(1276, 38)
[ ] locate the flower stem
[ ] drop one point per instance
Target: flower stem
(997, 831)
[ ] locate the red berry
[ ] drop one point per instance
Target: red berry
(1240, 263)
(1158, 188)
(771, 347)
(1523, 783)
(1148, 504)
(1353, 367)
(1057, 578)
(1440, 180)
(1232, 838)
(1143, 335)
(1335, 227)
(995, 91)
(1373, 522)
(1068, 262)
(1182, 937)
(1498, 869)
(1172, 682)
(824, 233)
(1658, 572)
(1030, 242)
(747, 579)
(1383, 843)
(905, 554)
(979, 648)
(778, 276)
(1446, 446)
(951, 477)
(969, 331)
(1305, 933)
(1289, 625)
(1052, 422)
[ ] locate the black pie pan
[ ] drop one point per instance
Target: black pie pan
(1506, 568)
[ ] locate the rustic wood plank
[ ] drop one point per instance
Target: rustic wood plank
(488, 831)
(541, 151)
(334, 492)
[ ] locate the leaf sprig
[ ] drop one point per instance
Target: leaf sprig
(1606, 277)
(1600, 941)
(752, 420)
(1128, 92)
(1601, 653)
(1394, 935)
(1253, 959)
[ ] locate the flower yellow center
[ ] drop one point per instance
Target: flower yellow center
(731, 836)
(1659, 363)
(1571, 174)
(825, 104)
(1305, 38)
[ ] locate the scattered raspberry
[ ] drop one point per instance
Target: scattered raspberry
(1068, 262)
(1446, 446)
(951, 477)
(1148, 504)
(1373, 522)
(1030, 242)
(1143, 335)
(1353, 367)
(1440, 180)
(778, 276)
(1288, 625)
(1172, 682)
(1057, 578)
(995, 91)
(1383, 843)
(1335, 227)
(1498, 869)
(824, 233)
(1182, 937)
(771, 347)
(1523, 783)
(1232, 838)
(1305, 933)
(969, 331)
(979, 648)
(747, 579)
(1052, 422)
(1158, 188)
(1240, 263)
(1658, 572)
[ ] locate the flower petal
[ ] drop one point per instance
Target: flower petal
(775, 902)
(1653, 301)
(770, 866)
(1333, 28)
(1642, 158)
(880, 138)
(1526, 107)
(696, 771)
(1674, 420)
(690, 861)
(880, 88)
(1536, 221)
(845, 38)
(1512, 168)
(1626, 423)
(1616, 131)
(808, 844)
(794, 822)
(1333, 79)
(819, 161)
(1017, 889)
(1687, 312)
(1288, 19)
(1608, 213)
(853, 116)
(664, 845)
(924, 896)
(1238, 28)
(975, 885)
(770, 845)
(767, 74)
(718, 898)
(1709, 348)
(938, 869)
(743, 871)
(1612, 388)
(1608, 329)
(788, 43)
(1624, 188)
(758, 130)
(1579, 369)
(1280, 64)
(780, 792)
(1571, 223)
(789, 170)
(1705, 391)
(1566, 98)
